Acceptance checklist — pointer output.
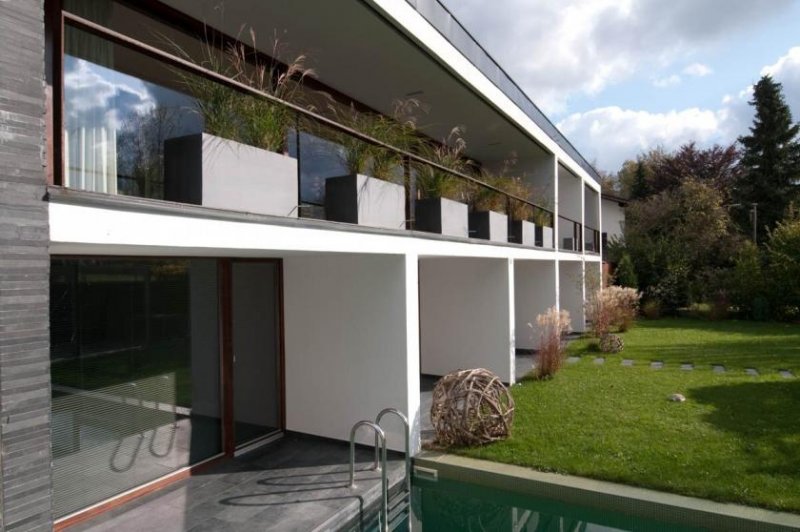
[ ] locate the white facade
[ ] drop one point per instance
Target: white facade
(366, 311)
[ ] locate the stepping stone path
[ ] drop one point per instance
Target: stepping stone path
(627, 362)
(718, 369)
(572, 360)
(656, 364)
(751, 371)
(599, 360)
(687, 367)
(786, 374)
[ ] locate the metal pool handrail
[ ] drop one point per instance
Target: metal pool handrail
(381, 436)
(407, 434)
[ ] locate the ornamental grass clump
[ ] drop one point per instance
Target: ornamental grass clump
(552, 326)
(614, 307)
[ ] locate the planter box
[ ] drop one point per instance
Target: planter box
(488, 225)
(522, 232)
(214, 172)
(544, 237)
(363, 200)
(442, 216)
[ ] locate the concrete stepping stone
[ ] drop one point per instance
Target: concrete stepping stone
(572, 360)
(785, 373)
(656, 364)
(717, 368)
(599, 360)
(686, 366)
(627, 362)
(751, 371)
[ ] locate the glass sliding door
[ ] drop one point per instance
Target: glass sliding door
(256, 348)
(135, 373)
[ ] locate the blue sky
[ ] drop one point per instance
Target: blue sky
(622, 76)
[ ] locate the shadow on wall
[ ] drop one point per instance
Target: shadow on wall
(764, 416)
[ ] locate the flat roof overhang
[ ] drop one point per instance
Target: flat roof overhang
(359, 53)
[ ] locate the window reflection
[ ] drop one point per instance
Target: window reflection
(135, 373)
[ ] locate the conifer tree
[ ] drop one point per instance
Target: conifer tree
(640, 188)
(770, 159)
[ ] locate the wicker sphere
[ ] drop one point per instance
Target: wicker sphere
(611, 343)
(471, 407)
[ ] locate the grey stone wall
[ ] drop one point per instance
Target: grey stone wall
(24, 273)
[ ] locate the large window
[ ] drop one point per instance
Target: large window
(135, 373)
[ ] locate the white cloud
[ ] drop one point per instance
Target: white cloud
(610, 135)
(556, 49)
(786, 70)
(698, 70)
(669, 81)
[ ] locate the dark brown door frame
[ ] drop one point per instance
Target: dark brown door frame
(226, 346)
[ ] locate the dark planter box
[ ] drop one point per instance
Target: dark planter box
(363, 200)
(522, 232)
(544, 237)
(488, 225)
(442, 216)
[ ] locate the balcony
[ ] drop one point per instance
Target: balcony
(159, 138)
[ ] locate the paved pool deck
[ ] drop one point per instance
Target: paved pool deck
(297, 483)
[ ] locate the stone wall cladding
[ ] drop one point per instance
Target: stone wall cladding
(25, 492)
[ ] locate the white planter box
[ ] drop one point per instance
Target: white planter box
(207, 170)
(442, 216)
(363, 200)
(488, 225)
(522, 232)
(544, 237)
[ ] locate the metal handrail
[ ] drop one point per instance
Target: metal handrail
(379, 435)
(407, 431)
(185, 64)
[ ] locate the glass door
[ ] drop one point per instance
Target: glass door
(256, 350)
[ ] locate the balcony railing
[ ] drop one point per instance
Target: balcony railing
(591, 240)
(307, 122)
(570, 234)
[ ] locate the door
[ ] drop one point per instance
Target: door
(256, 350)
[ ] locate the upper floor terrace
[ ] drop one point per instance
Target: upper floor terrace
(353, 112)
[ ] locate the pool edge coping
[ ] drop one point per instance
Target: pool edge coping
(632, 500)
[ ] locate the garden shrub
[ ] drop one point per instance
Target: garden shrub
(552, 326)
(625, 275)
(612, 307)
(651, 309)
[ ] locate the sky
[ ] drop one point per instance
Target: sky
(619, 77)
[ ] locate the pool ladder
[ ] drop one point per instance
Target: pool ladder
(391, 511)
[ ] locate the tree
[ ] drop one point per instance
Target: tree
(625, 274)
(716, 167)
(640, 189)
(770, 159)
(679, 240)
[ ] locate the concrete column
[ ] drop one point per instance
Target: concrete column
(466, 315)
(412, 409)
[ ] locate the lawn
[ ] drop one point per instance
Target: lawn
(735, 439)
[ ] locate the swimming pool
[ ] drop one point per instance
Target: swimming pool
(448, 505)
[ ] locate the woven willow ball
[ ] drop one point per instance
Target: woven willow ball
(471, 407)
(611, 343)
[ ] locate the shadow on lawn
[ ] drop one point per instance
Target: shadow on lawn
(764, 416)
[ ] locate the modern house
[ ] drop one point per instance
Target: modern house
(169, 297)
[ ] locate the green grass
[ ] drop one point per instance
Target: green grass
(734, 344)
(735, 439)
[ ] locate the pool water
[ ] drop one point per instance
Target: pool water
(446, 505)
